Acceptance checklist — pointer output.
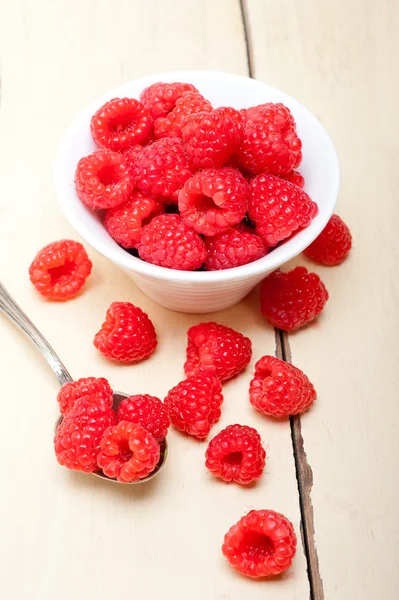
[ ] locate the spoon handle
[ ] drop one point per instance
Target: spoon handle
(10, 308)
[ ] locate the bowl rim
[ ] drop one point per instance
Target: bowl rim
(126, 261)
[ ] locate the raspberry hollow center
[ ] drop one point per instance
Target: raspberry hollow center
(124, 450)
(123, 122)
(204, 203)
(256, 546)
(63, 273)
(234, 458)
(107, 175)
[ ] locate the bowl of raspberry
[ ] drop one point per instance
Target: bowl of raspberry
(197, 184)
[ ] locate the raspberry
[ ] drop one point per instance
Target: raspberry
(125, 222)
(261, 544)
(270, 143)
(103, 180)
(280, 389)
(169, 243)
(128, 452)
(211, 138)
(332, 246)
(162, 168)
(147, 411)
(194, 404)
(190, 103)
(233, 248)
(60, 269)
(129, 155)
(278, 208)
(296, 178)
(290, 300)
(236, 454)
(77, 439)
(217, 350)
(71, 392)
(127, 334)
(213, 200)
(120, 123)
(160, 98)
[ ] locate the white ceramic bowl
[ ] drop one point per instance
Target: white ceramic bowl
(202, 292)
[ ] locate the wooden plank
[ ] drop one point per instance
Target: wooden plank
(66, 535)
(338, 59)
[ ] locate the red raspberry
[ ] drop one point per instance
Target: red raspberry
(128, 452)
(194, 404)
(103, 180)
(160, 98)
(270, 143)
(261, 544)
(232, 248)
(296, 178)
(94, 387)
(332, 246)
(190, 103)
(125, 222)
(211, 138)
(217, 350)
(236, 454)
(147, 411)
(120, 123)
(278, 208)
(127, 334)
(280, 389)
(77, 439)
(162, 168)
(60, 269)
(169, 243)
(213, 200)
(290, 300)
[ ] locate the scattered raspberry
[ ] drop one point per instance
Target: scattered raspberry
(278, 208)
(94, 387)
(290, 300)
(296, 178)
(160, 98)
(189, 103)
(211, 138)
(194, 404)
(127, 334)
(125, 222)
(128, 452)
(77, 439)
(261, 544)
(217, 350)
(103, 180)
(213, 200)
(169, 243)
(60, 269)
(130, 155)
(120, 123)
(270, 143)
(147, 411)
(232, 248)
(162, 168)
(236, 454)
(280, 389)
(332, 246)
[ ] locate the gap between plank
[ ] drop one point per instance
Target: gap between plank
(248, 47)
(304, 477)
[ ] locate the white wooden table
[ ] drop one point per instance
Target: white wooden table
(334, 471)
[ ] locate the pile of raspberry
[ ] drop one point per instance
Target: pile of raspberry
(185, 185)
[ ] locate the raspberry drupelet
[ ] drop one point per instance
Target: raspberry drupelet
(60, 269)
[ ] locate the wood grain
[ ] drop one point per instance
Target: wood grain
(339, 58)
(63, 534)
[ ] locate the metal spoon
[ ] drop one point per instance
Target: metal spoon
(10, 309)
